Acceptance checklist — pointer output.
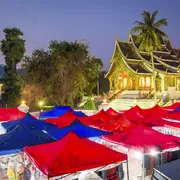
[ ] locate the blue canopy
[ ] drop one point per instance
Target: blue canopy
(28, 122)
(176, 110)
(58, 111)
(15, 140)
(77, 127)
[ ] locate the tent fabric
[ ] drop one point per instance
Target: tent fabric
(29, 122)
(173, 106)
(111, 111)
(176, 110)
(10, 114)
(120, 124)
(64, 120)
(143, 139)
(70, 116)
(71, 154)
(19, 137)
(78, 128)
(58, 111)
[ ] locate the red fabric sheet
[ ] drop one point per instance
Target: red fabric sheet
(69, 117)
(111, 111)
(71, 154)
(119, 124)
(143, 139)
(10, 114)
(173, 106)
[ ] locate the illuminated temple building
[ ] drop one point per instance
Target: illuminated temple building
(131, 69)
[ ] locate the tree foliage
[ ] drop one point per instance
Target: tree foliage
(149, 33)
(89, 105)
(64, 73)
(13, 48)
(150, 37)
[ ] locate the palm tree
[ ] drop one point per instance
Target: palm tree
(149, 37)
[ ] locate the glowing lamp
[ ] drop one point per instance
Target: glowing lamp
(22, 102)
(137, 155)
(104, 101)
(153, 152)
(40, 103)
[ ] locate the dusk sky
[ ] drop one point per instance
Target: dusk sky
(93, 21)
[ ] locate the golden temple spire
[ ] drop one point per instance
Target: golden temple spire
(115, 37)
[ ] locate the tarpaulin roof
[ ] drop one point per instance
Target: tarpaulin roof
(70, 116)
(19, 137)
(112, 112)
(30, 123)
(176, 110)
(144, 139)
(77, 127)
(71, 154)
(65, 120)
(134, 114)
(173, 106)
(120, 124)
(10, 114)
(155, 119)
(58, 111)
(103, 116)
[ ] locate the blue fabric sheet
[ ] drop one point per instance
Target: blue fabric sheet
(29, 122)
(15, 140)
(176, 110)
(58, 111)
(77, 127)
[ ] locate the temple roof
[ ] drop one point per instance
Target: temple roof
(128, 50)
(166, 59)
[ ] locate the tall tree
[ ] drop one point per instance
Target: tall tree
(63, 74)
(149, 37)
(13, 48)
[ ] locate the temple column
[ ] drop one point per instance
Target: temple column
(110, 82)
(137, 83)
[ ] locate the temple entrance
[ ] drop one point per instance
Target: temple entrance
(132, 84)
(122, 81)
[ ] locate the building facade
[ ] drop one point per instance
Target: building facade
(131, 69)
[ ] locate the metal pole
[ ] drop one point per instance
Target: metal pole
(143, 175)
(127, 170)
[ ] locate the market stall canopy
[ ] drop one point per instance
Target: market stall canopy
(176, 110)
(78, 128)
(143, 139)
(65, 120)
(71, 154)
(173, 106)
(120, 124)
(58, 111)
(10, 114)
(70, 116)
(28, 122)
(112, 112)
(14, 141)
(134, 114)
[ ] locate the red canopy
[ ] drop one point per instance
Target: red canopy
(120, 124)
(71, 154)
(111, 111)
(173, 106)
(10, 114)
(70, 116)
(144, 139)
(134, 114)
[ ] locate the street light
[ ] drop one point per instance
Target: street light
(22, 102)
(40, 105)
